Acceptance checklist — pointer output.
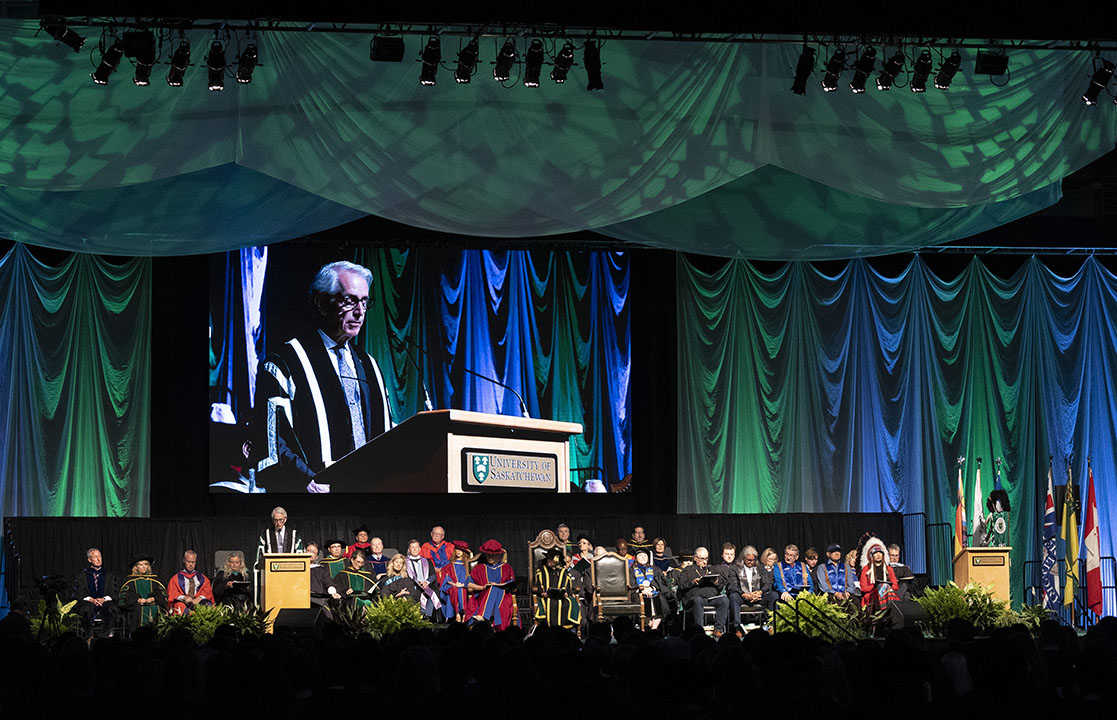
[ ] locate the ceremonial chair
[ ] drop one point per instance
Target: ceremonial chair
(478, 558)
(390, 552)
(614, 591)
(219, 559)
(536, 551)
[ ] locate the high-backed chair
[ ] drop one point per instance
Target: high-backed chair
(537, 550)
(614, 590)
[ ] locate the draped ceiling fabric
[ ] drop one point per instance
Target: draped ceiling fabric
(322, 136)
(554, 326)
(801, 391)
(74, 386)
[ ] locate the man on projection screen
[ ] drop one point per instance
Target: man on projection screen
(319, 397)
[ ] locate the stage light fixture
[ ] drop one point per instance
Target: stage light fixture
(467, 62)
(921, 72)
(504, 62)
(803, 71)
(141, 47)
(1099, 82)
(179, 62)
(432, 56)
(109, 60)
(386, 48)
(563, 62)
(533, 63)
(892, 67)
(948, 70)
(862, 69)
(62, 34)
(834, 68)
(591, 58)
(246, 63)
(215, 61)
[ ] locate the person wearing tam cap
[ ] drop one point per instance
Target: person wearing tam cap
(362, 543)
(452, 581)
(651, 585)
(878, 581)
(830, 576)
(334, 561)
(494, 585)
(553, 588)
(142, 596)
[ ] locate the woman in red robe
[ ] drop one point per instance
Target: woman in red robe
(453, 578)
(878, 581)
(494, 586)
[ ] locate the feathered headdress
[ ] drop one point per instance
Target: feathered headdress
(870, 545)
(995, 497)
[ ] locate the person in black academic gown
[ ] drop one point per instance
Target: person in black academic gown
(232, 585)
(96, 594)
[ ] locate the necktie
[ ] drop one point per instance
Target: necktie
(352, 396)
(190, 586)
(279, 541)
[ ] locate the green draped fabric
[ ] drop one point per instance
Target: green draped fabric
(74, 386)
(855, 392)
(322, 135)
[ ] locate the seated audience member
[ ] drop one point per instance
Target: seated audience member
(768, 560)
(94, 591)
(232, 585)
(661, 556)
(188, 588)
(354, 584)
(853, 576)
(830, 576)
(423, 572)
(878, 581)
(811, 558)
(360, 542)
(376, 560)
(452, 579)
(700, 587)
(396, 582)
(750, 578)
(728, 569)
(494, 585)
(792, 576)
(142, 596)
(639, 541)
(553, 588)
(904, 576)
(334, 561)
(651, 586)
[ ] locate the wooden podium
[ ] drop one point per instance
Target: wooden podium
(986, 566)
(285, 582)
(459, 451)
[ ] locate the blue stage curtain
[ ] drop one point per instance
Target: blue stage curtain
(75, 354)
(855, 392)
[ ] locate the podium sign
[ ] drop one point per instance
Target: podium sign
(286, 582)
(985, 566)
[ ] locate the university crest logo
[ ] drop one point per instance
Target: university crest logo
(481, 468)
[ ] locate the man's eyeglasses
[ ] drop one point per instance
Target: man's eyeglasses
(348, 302)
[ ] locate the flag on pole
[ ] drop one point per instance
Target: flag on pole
(1093, 559)
(978, 516)
(997, 476)
(960, 515)
(1069, 534)
(1049, 567)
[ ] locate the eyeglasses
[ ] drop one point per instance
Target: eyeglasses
(348, 302)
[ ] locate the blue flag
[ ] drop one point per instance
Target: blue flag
(1048, 568)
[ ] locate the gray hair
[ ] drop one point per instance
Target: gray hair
(894, 546)
(90, 551)
(749, 550)
(701, 551)
(326, 282)
(280, 510)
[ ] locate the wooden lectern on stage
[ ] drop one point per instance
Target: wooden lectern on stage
(459, 451)
(985, 566)
(285, 581)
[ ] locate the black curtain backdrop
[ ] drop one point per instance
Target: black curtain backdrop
(56, 546)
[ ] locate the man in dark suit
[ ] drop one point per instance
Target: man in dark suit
(319, 396)
(700, 586)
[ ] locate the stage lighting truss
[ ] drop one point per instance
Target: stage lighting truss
(431, 59)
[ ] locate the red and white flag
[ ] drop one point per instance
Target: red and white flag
(1093, 555)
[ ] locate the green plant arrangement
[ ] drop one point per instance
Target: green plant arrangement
(1032, 616)
(974, 603)
(249, 622)
(390, 615)
(816, 613)
(52, 620)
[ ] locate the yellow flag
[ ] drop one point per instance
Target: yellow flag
(1069, 533)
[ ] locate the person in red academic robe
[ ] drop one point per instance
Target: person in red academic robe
(494, 586)
(438, 551)
(452, 581)
(361, 542)
(878, 581)
(188, 588)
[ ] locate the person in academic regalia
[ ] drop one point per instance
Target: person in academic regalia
(188, 588)
(639, 541)
(452, 579)
(95, 590)
(553, 587)
(396, 582)
(494, 585)
(353, 584)
(878, 581)
(425, 576)
(229, 586)
(334, 561)
(581, 572)
(376, 560)
(142, 595)
(652, 586)
(360, 542)
(438, 551)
